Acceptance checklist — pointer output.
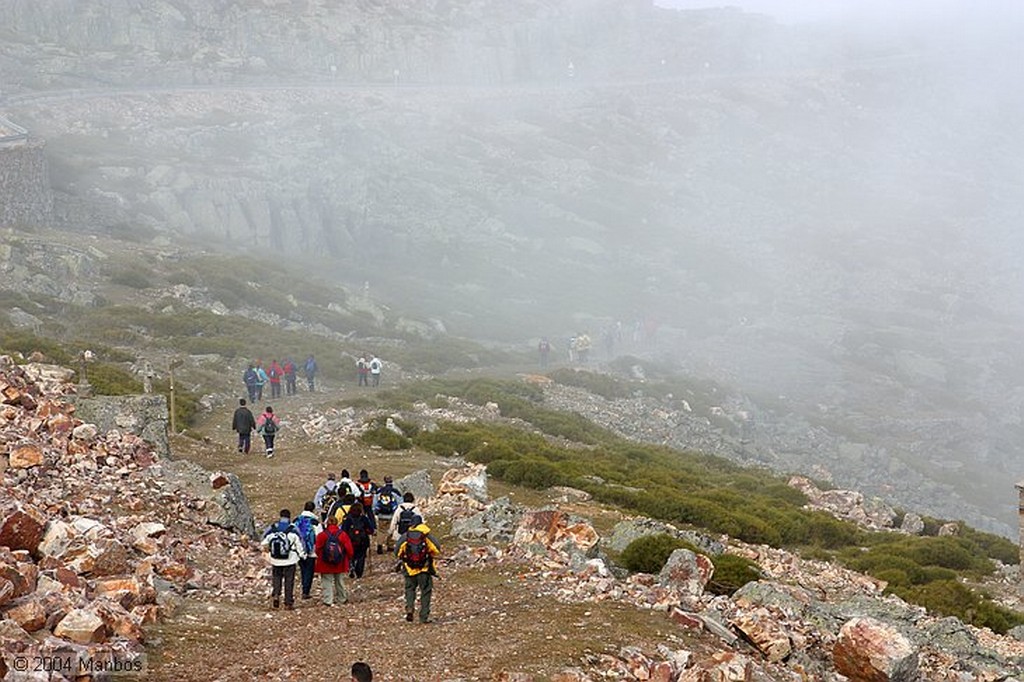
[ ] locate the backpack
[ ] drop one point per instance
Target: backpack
(329, 498)
(269, 426)
(386, 504)
(280, 546)
(417, 554)
(405, 519)
(249, 378)
(365, 495)
(307, 532)
(375, 365)
(333, 552)
(358, 530)
(310, 366)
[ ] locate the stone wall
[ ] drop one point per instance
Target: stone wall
(142, 415)
(25, 194)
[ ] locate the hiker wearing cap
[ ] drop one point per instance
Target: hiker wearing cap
(417, 553)
(285, 550)
(326, 495)
(385, 502)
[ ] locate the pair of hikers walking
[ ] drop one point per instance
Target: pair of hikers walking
(267, 425)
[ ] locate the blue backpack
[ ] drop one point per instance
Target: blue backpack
(304, 527)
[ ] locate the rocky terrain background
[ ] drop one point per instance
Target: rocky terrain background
(92, 577)
(807, 222)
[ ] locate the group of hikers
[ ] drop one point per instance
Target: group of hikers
(256, 377)
(333, 537)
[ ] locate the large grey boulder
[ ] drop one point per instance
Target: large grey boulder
(418, 483)
(226, 505)
(629, 530)
(145, 416)
(496, 523)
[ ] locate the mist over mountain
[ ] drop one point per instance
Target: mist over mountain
(822, 215)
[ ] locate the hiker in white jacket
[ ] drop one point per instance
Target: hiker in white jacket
(285, 549)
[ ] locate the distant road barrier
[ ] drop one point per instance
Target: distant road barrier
(11, 132)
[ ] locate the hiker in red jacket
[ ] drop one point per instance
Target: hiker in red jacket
(289, 376)
(275, 373)
(333, 551)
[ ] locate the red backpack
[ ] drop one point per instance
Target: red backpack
(417, 553)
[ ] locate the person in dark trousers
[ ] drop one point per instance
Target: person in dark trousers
(268, 425)
(275, 373)
(385, 503)
(285, 548)
(250, 379)
(359, 527)
(244, 423)
(289, 376)
(417, 553)
(310, 370)
(361, 672)
(307, 526)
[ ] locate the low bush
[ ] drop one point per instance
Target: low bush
(952, 598)
(731, 573)
(649, 553)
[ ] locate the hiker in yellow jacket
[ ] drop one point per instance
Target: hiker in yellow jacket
(417, 553)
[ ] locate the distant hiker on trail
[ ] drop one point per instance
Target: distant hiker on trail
(359, 526)
(310, 370)
(362, 371)
(417, 553)
(326, 495)
(365, 491)
(275, 374)
(244, 423)
(289, 376)
(384, 505)
(307, 527)
(402, 521)
(285, 549)
(583, 346)
(268, 425)
(250, 379)
(544, 350)
(261, 380)
(375, 368)
(333, 554)
(361, 672)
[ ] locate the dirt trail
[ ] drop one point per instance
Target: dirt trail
(486, 620)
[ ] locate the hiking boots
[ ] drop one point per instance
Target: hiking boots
(408, 616)
(277, 603)
(289, 607)
(380, 549)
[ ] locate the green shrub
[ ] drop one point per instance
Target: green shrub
(380, 435)
(731, 573)
(649, 553)
(952, 598)
(599, 384)
(132, 276)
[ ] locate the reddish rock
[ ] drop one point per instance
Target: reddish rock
(21, 528)
(571, 675)
(29, 614)
(663, 671)
(109, 557)
(25, 456)
(690, 621)
(687, 572)
(146, 614)
(765, 633)
(638, 665)
(868, 650)
(10, 395)
(6, 591)
(219, 480)
(68, 577)
(27, 401)
(82, 626)
(723, 666)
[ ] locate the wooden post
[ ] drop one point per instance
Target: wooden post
(170, 376)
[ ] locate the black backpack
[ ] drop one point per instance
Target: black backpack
(334, 551)
(280, 546)
(269, 426)
(405, 519)
(358, 529)
(417, 554)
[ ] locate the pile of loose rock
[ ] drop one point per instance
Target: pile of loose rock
(97, 539)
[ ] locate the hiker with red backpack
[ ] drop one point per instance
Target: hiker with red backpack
(307, 527)
(289, 376)
(333, 552)
(366, 489)
(275, 373)
(417, 553)
(359, 526)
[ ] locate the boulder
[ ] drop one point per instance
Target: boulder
(226, 506)
(470, 480)
(950, 529)
(912, 524)
(550, 530)
(629, 530)
(764, 631)
(82, 626)
(723, 666)
(86, 432)
(7, 590)
(25, 456)
(686, 572)
(21, 528)
(496, 523)
(869, 650)
(418, 483)
(56, 539)
(28, 613)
